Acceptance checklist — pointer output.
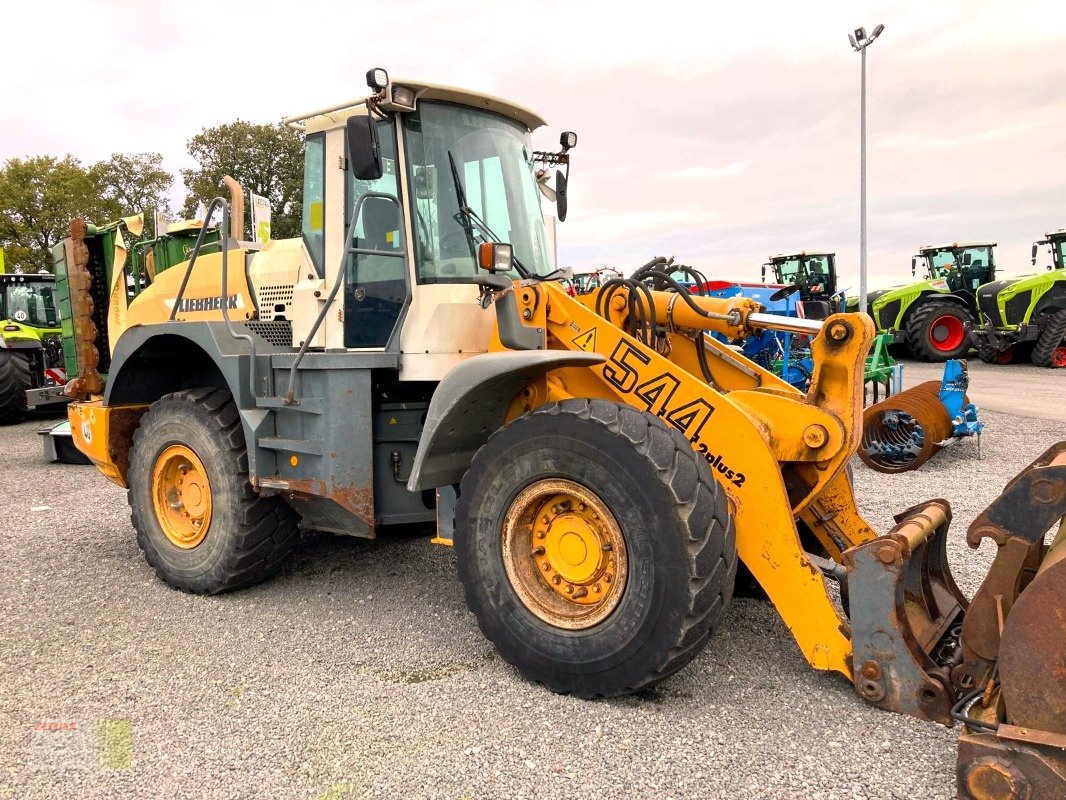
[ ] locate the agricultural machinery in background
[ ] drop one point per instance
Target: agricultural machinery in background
(814, 276)
(31, 345)
(125, 265)
(1026, 314)
(904, 431)
(932, 317)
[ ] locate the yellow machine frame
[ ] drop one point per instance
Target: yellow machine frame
(749, 425)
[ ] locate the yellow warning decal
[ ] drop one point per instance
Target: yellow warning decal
(586, 341)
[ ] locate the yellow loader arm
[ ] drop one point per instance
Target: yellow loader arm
(780, 455)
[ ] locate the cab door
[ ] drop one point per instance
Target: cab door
(376, 289)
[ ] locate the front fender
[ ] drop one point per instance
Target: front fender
(470, 404)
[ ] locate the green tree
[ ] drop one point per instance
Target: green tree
(265, 159)
(131, 183)
(39, 196)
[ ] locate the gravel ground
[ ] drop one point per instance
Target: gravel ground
(359, 672)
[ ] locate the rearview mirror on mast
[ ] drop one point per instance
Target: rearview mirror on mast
(364, 151)
(1036, 245)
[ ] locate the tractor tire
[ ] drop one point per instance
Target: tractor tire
(939, 331)
(619, 511)
(1050, 348)
(15, 379)
(990, 355)
(199, 522)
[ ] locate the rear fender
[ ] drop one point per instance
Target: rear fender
(471, 403)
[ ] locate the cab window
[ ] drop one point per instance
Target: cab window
(314, 197)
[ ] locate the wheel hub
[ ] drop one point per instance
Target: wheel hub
(564, 554)
(947, 332)
(1058, 358)
(181, 494)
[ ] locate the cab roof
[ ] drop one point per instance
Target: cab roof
(953, 245)
(805, 253)
(335, 116)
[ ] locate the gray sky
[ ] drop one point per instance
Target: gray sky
(716, 132)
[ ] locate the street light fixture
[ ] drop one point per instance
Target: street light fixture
(859, 42)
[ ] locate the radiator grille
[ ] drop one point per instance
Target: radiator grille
(278, 333)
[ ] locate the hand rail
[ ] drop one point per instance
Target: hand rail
(218, 202)
(348, 250)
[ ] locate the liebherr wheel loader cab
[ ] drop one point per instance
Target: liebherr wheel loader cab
(1027, 309)
(814, 274)
(598, 462)
(933, 316)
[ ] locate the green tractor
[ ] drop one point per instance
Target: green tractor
(31, 345)
(1027, 311)
(815, 275)
(933, 317)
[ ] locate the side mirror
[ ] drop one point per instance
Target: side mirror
(364, 151)
(763, 270)
(560, 195)
(1034, 253)
(914, 265)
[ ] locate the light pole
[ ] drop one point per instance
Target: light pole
(859, 42)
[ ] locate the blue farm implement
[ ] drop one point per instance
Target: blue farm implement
(904, 431)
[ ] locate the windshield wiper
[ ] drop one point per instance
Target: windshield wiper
(460, 198)
(472, 215)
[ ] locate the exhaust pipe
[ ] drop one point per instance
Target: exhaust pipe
(236, 202)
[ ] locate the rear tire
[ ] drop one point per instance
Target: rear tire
(675, 531)
(939, 331)
(1050, 349)
(15, 379)
(242, 538)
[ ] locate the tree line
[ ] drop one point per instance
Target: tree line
(40, 195)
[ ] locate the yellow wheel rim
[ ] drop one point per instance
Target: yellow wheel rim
(181, 493)
(564, 554)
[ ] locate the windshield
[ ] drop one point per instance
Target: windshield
(452, 152)
(787, 270)
(32, 303)
(943, 262)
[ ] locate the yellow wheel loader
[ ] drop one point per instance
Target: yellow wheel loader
(598, 462)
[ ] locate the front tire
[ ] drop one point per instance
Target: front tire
(15, 379)
(1050, 348)
(939, 331)
(595, 548)
(201, 525)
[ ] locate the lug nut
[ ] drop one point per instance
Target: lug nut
(538, 551)
(547, 567)
(556, 580)
(540, 534)
(581, 592)
(569, 589)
